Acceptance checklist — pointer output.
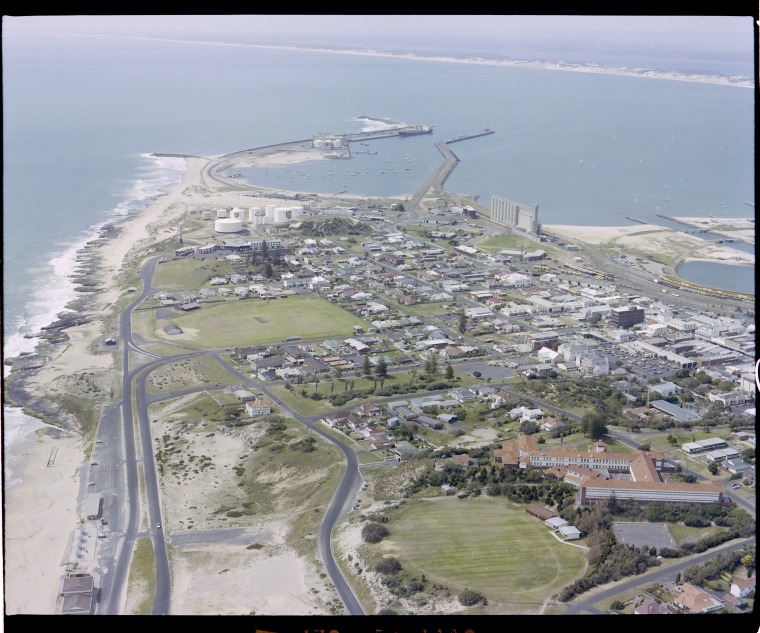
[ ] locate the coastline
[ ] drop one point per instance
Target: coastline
(558, 65)
(41, 509)
(45, 502)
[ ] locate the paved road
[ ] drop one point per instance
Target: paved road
(585, 604)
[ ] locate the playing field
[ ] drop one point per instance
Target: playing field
(486, 544)
(255, 321)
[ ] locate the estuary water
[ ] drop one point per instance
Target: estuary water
(83, 113)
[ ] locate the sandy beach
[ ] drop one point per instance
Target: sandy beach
(742, 82)
(41, 512)
(40, 518)
(651, 239)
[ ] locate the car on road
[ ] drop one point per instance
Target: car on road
(158, 526)
(93, 463)
(92, 483)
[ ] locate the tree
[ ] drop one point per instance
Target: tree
(431, 365)
(469, 598)
(374, 532)
(381, 369)
(462, 321)
(388, 565)
(366, 368)
(593, 425)
(449, 372)
(713, 468)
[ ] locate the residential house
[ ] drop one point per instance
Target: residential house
(650, 607)
(525, 414)
(741, 588)
(692, 599)
(462, 460)
(463, 394)
(255, 408)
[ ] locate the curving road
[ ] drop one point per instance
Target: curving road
(134, 389)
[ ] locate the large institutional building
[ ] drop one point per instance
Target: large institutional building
(514, 215)
(599, 473)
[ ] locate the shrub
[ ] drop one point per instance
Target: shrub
(469, 598)
(388, 565)
(386, 611)
(374, 532)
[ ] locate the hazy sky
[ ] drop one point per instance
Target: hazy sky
(694, 32)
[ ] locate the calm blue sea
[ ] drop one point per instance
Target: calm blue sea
(82, 113)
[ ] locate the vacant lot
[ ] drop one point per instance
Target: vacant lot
(255, 321)
(485, 544)
(188, 274)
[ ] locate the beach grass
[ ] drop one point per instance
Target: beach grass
(142, 579)
(196, 371)
(484, 544)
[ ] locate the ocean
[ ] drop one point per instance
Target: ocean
(83, 113)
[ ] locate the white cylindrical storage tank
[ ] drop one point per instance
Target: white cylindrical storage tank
(270, 211)
(337, 142)
(281, 215)
(319, 143)
(252, 213)
(228, 225)
(237, 213)
(206, 215)
(222, 213)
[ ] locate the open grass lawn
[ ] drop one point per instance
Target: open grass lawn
(188, 274)
(254, 322)
(684, 534)
(507, 240)
(485, 544)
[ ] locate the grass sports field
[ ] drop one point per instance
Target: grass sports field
(254, 321)
(486, 544)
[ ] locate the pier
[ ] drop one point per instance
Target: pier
(444, 169)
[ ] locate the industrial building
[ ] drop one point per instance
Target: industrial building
(514, 215)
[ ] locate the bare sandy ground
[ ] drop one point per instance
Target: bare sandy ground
(653, 239)
(40, 518)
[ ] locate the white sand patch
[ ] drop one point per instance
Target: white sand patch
(40, 517)
(476, 438)
(599, 234)
(232, 580)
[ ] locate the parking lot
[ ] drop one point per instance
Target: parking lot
(640, 534)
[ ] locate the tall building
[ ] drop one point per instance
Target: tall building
(626, 317)
(514, 215)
